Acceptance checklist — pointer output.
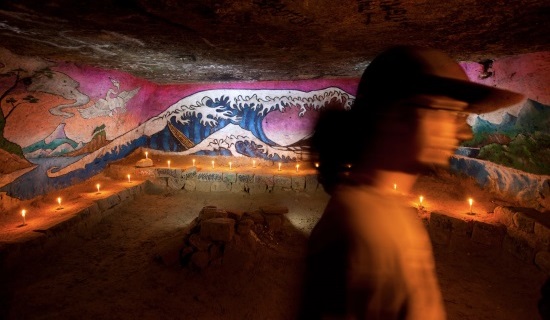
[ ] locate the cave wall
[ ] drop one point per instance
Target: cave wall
(62, 123)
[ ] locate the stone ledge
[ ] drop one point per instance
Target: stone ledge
(38, 241)
(211, 180)
(521, 232)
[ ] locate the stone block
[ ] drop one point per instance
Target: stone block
(440, 228)
(209, 176)
(108, 202)
(488, 234)
(312, 183)
(298, 183)
(265, 179)
(175, 183)
(230, 177)
(203, 186)
(255, 188)
(255, 216)
(136, 189)
(462, 227)
(245, 226)
(199, 243)
(274, 222)
(542, 260)
(145, 173)
(519, 247)
(220, 186)
(189, 173)
(159, 182)
(505, 215)
(235, 215)
(143, 163)
(274, 210)
(211, 212)
(523, 222)
(218, 229)
(239, 187)
(168, 173)
(282, 182)
(245, 178)
(125, 195)
(190, 185)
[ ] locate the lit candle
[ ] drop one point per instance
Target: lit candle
(212, 164)
(421, 199)
(316, 164)
(59, 201)
(193, 162)
(146, 155)
(129, 178)
(23, 212)
(297, 167)
(395, 186)
(349, 166)
(229, 165)
(471, 202)
(253, 163)
(168, 164)
(279, 166)
(97, 186)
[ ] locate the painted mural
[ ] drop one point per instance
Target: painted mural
(62, 123)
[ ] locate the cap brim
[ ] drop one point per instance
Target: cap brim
(480, 98)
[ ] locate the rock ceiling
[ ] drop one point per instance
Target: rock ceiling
(170, 41)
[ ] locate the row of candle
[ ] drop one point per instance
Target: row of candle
(98, 186)
(421, 200)
(297, 166)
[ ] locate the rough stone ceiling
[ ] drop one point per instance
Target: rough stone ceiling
(170, 41)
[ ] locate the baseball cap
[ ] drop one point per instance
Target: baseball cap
(406, 71)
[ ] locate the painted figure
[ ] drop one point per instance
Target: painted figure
(369, 256)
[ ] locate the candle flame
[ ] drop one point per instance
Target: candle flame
(471, 201)
(279, 166)
(23, 212)
(229, 165)
(129, 178)
(254, 163)
(316, 164)
(395, 186)
(146, 155)
(168, 163)
(297, 167)
(97, 186)
(421, 199)
(193, 162)
(212, 163)
(59, 200)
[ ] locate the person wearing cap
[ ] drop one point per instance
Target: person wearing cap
(369, 256)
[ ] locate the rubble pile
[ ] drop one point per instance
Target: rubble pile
(231, 239)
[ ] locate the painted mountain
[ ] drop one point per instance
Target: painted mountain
(221, 122)
(55, 144)
(521, 142)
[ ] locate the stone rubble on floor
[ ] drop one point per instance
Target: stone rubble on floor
(230, 239)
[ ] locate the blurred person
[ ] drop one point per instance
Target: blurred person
(369, 256)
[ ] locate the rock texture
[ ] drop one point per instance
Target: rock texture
(230, 239)
(196, 40)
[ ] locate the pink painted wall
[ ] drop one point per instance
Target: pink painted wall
(81, 116)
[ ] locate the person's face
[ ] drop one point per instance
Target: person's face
(439, 132)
